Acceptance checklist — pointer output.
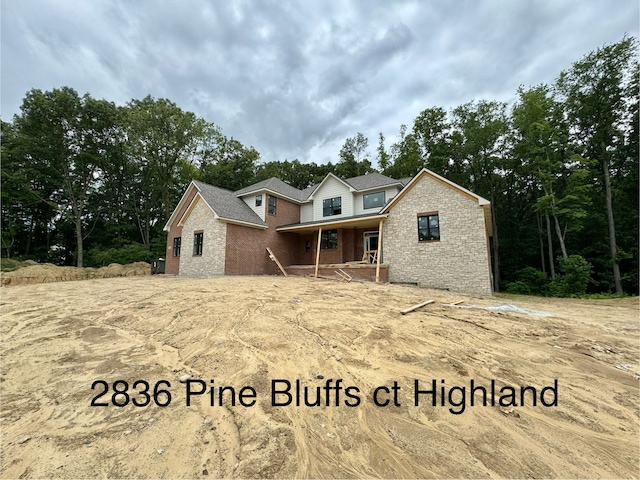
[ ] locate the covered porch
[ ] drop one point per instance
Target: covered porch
(353, 244)
(357, 272)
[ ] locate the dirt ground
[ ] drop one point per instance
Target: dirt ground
(58, 339)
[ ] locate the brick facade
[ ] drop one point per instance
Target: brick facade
(350, 247)
(307, 258)
(246, 247)
(458, 261)
(357, 272)
(212, 260)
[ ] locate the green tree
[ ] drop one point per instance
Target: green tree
(160, 135)
(539, 140)
(479, 148)
(432, 133)
(594, 90)
(117, 195)
(69, 136)
(226, 162)
(382, 156)
(406, 157)
(297, 174)
(16, 193)
(626, 165)
(354, 157)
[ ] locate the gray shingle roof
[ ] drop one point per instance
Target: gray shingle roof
(332, 220)
(227, 205)
(277, 186)
(371, 180)
(308, 191)
(362, 182)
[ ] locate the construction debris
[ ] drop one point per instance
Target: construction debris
(344, 275)
(273, 257)
(415, 307)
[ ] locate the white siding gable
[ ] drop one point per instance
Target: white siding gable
(331, 188)
(250, 200)
(389, 192)
(306, 212)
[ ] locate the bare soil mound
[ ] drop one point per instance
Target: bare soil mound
(48, 273)
(59, 340)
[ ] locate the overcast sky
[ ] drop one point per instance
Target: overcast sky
(295, 79)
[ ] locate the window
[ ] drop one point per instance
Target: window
(329, 239)
(331, 206)
(272, 205)
(258, 200)
(428, 226)
(373, 200)
(197, 243)
(177, 241)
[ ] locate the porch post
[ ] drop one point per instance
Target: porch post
(379, 251)
(318, 250)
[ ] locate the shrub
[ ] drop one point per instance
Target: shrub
(530, 281)
(9, 264)
(537, 280)
(134, 252)
(576, 273)
(518, 287)
(12, 264)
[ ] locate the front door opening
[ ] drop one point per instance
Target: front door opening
(370, 247)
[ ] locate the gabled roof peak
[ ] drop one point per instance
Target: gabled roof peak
(426, 172)
(275, 185)
(227, 205)
(371, 180)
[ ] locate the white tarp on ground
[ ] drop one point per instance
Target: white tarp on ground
(507, 308)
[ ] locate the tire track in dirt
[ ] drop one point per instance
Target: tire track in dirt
(160, 328)
(219, 418)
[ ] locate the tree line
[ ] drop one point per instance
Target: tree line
(86, 182)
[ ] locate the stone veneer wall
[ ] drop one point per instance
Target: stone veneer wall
(172, 265)
(459, 261)
(212, 260)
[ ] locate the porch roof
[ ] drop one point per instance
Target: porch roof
(356, 221)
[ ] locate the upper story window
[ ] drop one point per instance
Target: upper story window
(272, 205)
(177, 242)
(373, 200)
(197, 243)
(331, 206)
(428, 226)
(258, 200)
